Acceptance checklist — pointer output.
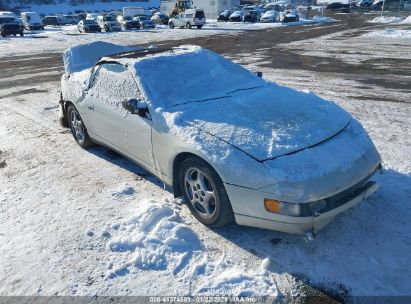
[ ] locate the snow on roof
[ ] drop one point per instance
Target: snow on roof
(83, 56)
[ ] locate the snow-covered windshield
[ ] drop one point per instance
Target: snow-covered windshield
(191, 76)
(108, 18)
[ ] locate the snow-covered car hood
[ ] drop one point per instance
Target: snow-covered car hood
(267, 122)
(221, 98)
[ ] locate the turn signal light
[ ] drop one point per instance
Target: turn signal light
(289, 209)
(272, 205)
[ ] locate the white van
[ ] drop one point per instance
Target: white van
(31, 21)
(108, 23)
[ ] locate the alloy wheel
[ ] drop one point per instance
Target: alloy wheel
(200, 192)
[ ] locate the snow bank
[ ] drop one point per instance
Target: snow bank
(221, 277)
(407, 20)
(389, 34)
(157, 239)
(82, 56)
(387, 19)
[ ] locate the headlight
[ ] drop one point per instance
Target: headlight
(284, 208)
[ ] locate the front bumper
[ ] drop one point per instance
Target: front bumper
(291, 224)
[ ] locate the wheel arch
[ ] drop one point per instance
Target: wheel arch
(177, 161)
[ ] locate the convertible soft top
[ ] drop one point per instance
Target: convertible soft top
(84, 56)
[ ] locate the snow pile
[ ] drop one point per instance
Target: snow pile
(407, 20)
(389, 34)
(387, 19)
(222, 277)
(82, 56)
(123, 192)
(155, 238)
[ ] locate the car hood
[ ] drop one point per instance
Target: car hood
(266, 122)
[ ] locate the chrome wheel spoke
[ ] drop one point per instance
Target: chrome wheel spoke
(200, 192)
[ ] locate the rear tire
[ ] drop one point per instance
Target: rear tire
(171, 25)
(188, 25)
(106, 29)
(21, 34)
(77, 127)
(204, 193)
(199, 26)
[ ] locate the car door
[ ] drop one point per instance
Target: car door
(106, 118)
(179, 20)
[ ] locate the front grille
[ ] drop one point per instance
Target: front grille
(338, 199)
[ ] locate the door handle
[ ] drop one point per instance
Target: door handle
(91, 108)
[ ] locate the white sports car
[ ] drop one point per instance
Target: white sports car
(236, 147)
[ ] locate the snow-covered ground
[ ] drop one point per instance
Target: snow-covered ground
(54, 39)
(392, 20)
(87, 222)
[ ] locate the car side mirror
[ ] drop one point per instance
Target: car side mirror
(135, 106)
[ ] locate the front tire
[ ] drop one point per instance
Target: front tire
(204, 193)
(171, 24)
(188, 25)
(77, 127)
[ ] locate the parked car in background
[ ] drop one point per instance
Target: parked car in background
(51, 20)
(160, 18)
(224, 16)
(237, 16)
(69, 19)
(304, 160)
(128, 22)
(289, 16)
(8, 14)
(250, 16)
(144, 22)
(88, 26)
(270, 16)
(188, 19)
(10, 26)
(91, 16)
(338, 6)
(108, 23)
(31, 21)
(132, 11)
(364, 3)
(253, 8)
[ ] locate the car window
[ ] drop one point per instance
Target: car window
(112, 84)
(200, 15)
